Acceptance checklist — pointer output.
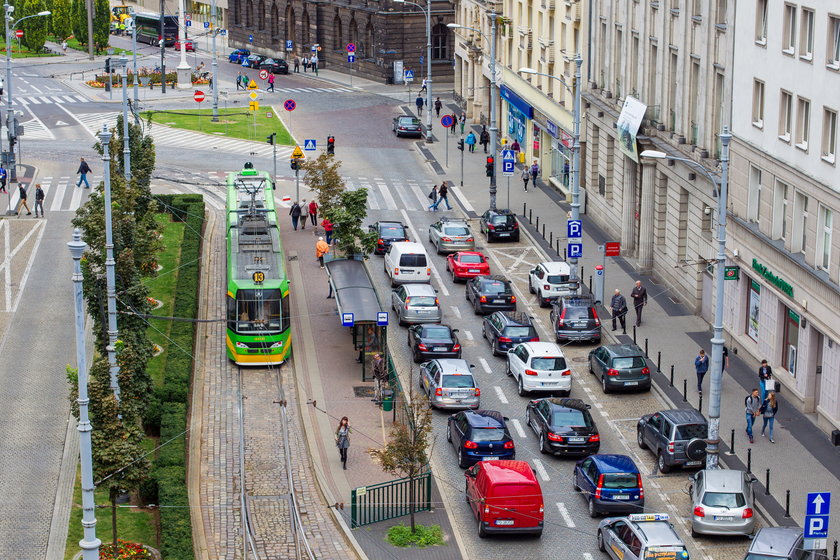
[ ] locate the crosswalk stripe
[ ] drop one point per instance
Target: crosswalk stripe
(58, 196)
(34, 100)
(76, 201)
(45, 99)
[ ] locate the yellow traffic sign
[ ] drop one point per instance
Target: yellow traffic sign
(298, 153)
(254, 106)
(253, 95)
(252, 85)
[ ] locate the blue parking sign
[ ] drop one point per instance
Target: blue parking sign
(289, 45)
(507, 168)
(574, 229)
(206, 25)
(574, 250)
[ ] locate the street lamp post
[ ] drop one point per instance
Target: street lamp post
(214, 65)
(713, 448)
(184, 81)
(428, 13)
(136, 78)
(126, 144)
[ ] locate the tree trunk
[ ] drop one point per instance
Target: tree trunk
(114, 517)
(411, 500)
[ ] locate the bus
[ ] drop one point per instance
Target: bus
(148, 28)
(258, 310)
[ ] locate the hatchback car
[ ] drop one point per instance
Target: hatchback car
(490, 293)
(449, 235)
(416, 303)
(676, 437)
(449, 383)
(499, 225)
(467, 264)
(433, 341)
(238, 55)
(480, 435)
(640, 536)
(388, 233)
(188, 45)
(575, 318)
(610, 484)
(722, 502)
(564, 426)
(620, 367)
(504, 330)
(405, 125)
(539, 367)
(777, 543)
(253, 60)
(275, 65)
(550, 280)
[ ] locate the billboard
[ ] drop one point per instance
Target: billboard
(628, 124)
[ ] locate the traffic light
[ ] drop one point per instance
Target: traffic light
(330, 144)
(461, 144)
(489, 166)
(107, 65)
(270, 138)
(294, 163)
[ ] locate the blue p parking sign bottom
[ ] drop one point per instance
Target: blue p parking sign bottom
(574, 250)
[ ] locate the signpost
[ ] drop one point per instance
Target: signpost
(198, 96)
(297, 155)
(289, 45)
(408, 76)
(18, 33)
(263, 74)
(289, 105)
(817, 509)
(508, 166)
(351, 47)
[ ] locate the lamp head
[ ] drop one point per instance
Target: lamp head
(526, 70)
(450, 25)
(654, 154)
(45, 13)
(10, 9)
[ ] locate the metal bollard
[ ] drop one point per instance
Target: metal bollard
(732, 443)
(590, 283)
(550, 238)
(787, 503)
(685, 390)
(530, 216)
(543, 231)
(659, 360)
(672, 376)
(564, 254)
(700, 406)
(834, 556)
(749, 459)
(646, 348)
(767, 483)
(524, 208)
(634, 334)
(538, 223)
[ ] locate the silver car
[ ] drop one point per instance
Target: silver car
(449, 383)
(640, 536)
(450, 235)
(722, 502)
(416, 303)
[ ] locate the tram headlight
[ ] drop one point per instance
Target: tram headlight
(242, 345)
(278, 344)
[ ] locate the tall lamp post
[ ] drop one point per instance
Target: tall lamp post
(713, 449)
(428, 13)
(184, 70)
(215, 64)
(573, 260)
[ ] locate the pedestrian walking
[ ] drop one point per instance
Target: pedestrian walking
(433, 196)
(239, 82)
(328, 230)
(768, 410)
(515, 147)
(438, 106)
(64, 46)
(470, 141)
(3, 177)
(752, 404)
(39, 199)
(342, 440)
(313, 212)
(321, 249)
(270, 82)
(245, 81)
(22, 204)
(303, 211)
(443, 196)
(462, 120)
(526, 176)
(297, 64)
(380, 376)
(701, 366)
(423, 85)
(83, 170)
(484, 138)
(618, 306)
(294, 212)
(535, 171)
(305, 64)
(639, 295)
(454, 128)
(765, 376)
(419, 104)
(313, 63)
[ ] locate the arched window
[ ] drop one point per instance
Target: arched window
(440, 42)
(290, 22)
(305, 25)
(338, 33)
(354, 32)
(249, 13)
(275, 23)
(261, 15)
(370, 46)
(236, 6)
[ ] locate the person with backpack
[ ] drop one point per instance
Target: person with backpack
(83, 170)
(484, 138)
(443, 196)
(470, 141)
(768, 411)
(752, 404)
(433, 196)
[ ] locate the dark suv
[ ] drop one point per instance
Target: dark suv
(490, 293)
(480, 435)
(505, 330)
(575, 318)
(620, 367)
(676, 437)
(499, 224)
(388, 232)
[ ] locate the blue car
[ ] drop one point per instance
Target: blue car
(610, 484)
(238, 55)
(480, 435)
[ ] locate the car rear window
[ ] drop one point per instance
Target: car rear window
(558, 278)
(691, 431)
(573, 418)
(456, 230)
(549, 364)
(519, 331)
(391, 231)
(619, 481)
(422, 301)
(480, 435)
(413, 260)
(471, 259)
(628, 362)
(574, 313)
(437, 332)
(495, 288)
(496, 220)
(724, 499)
(458, 382)
(408, 120)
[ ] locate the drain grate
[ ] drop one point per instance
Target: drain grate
(363, 392)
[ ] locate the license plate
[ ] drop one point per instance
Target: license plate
(631, 382)
(504, 522)
(491, 458)
(693, 463)
(723, 517)
(439, 348)
(576, 440)
(498, 301)
(459, 396)
(581, 325)
(503, 234)
(548, 383)
(407, 272)
(474, 270)
(621, 497)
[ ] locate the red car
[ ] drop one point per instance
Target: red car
(188, 45)
(467, 264)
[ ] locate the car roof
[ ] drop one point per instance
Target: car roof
(623, 350)
(614, 463)
(390, 223)
(508, 471)
(499, 211)
(684, 416)
(484, 418)
(657, 533)
(454, 365)
(566, 403)
(514, 318)
(539, 349)
(492, 278)
(556, 267)
(776, 541)
(723, 480)
(576, 301)
(419, 290)
(408, 247)
(478, 253)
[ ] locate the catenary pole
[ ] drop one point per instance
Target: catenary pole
(126, 144)
(214, 65)
(110, 275)
(494, 127)
(573, 262)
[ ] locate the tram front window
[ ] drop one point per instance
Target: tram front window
(258, 312)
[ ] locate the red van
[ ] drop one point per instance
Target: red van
(505, 497)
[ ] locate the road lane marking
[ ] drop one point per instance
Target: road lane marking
(467, 334)
(564, 513)
(431, 263)
(500, 394)
(542, 472)
(40, 227)
(457, 313)
(485, 365)
(517, 425)
(587, 556)
(7, 265)
(462, 199)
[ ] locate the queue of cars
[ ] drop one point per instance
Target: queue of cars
(247, 59)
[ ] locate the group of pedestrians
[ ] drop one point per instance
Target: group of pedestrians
(618, 306)
(438, 195)
(298, 209)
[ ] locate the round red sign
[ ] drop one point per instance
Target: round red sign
(18, 33)
(198, 96)
(263, 74)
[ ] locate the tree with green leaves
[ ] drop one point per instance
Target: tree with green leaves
(101, 24)
(34, 28)
(346, 215)
(78, 20)
(322, 176)
(61, 24)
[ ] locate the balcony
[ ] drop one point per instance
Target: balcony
(547, 4)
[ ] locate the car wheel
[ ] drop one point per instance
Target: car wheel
(661, 464)
(591, 371)
(496, 350)
(694, 534)
(461, 462)
(640, 439)
(481, 532)
(521, 388)
(592, 511)
(483, 332)
(543, 445)
(565, 393)
(530, 287)
(437, 249)
(600, 539)
(604, 384)
(574, 483)
(417, 357)
(448, 432)
(476, 308)
(543, 302)
(507, 369)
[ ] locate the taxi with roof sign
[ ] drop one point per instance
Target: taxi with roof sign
(641, 536)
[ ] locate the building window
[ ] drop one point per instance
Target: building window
(791, 338)
(834, 42)
(803, 123)
(261, 15)
(753, 307)
(780, 202)
(785, 115)
(800, 223)
(440, 36)
(789, 30)
(806, 35)
(720, 13)
(338, 33)
(761, 22)
(826, 219)
(758, 103)
(754, 200)
(829, 135)
(275, 21)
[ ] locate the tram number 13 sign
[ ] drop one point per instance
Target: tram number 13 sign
(258, 277)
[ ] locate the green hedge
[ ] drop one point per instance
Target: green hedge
(170, 466)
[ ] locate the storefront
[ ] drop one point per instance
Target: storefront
(517, 121)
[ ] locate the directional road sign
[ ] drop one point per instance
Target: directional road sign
(351, 47)
(198, 96)
(574, 250)
(574, 228)
(310, 144)
(263, 74)
(382, 318)
(289, 105)
(421, 59)
(408, 76)
(253, 105)
(817, 509)
(351, 58)
(347, 320)
(289, 44)
(188, 23)
(250, 38)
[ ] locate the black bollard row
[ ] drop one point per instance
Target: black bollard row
(685, 390)
(646, 348)
(672, 375)
(787, 503)
(732, 443)
(767, 483)
(749, 459)
(659, 360)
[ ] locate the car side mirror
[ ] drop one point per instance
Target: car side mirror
(753, 480)
(455, 330)
(472, 366)
(506, 419)
(510, 350)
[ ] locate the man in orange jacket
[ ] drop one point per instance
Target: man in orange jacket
(321, 249)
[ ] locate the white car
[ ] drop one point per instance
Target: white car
(550, 280)
(539, 367)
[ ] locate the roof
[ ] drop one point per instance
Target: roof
(657, 533)
(514, 318)
(419, 290)
(515, 472)
(624, 350)
(684, 416)
(556, 267)
(576, 404)
(353, 289)
(538, 349)
(454, 365)
(485, 418)
(614, 463)
(723, 480)
(775, 541)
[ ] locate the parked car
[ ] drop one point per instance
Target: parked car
(575, 318)
(722, 502)
(505, 497)
(405, 125)
(238, 56)
(188, 45)
(640, 536)
(449, 383)
(539, 367)
(467, 264)
(416, 303)
(449, 235)
(490, 293)
(610, 484)
(676, 437)
(777, 543)
(550, 280)
(479, 435)
(499, 225)
(563, 426)
(505, 329)
(388, 233)
(253, 60)
(620, 367)
(433, 341)
(275, 65)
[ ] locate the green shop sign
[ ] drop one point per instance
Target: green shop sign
(772, 278)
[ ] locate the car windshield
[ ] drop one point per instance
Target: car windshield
(558, 278)
(618, 481)
(724, 499)
(391, 231)
(487, 434)
(500, 219)
(268, 61)
(574, 313)
(549, 364)
(628, 362)
(691, 431)
(495, 288)
(471, 259)
(458, 382)
(422, 301)
(440, 333)
(456, 230)
(572, 418)
(519, 332)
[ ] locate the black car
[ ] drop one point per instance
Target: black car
(564, 426)
(479, 435)
(253, 60)
(406, 125)
(575, 318)
(676, 437)
(620, 367)
(504, 330)
(388, 233)
(499, 225)
(432, 341)
(275, 66)
(490, 293)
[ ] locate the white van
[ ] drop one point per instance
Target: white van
(406, 262)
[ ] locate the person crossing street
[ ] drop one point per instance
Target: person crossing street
(23, 204)
(83, 170)
(39, 199)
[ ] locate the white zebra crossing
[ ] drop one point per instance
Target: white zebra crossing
(307, 90)
(60, 195)
(47, 99)
(392, 195)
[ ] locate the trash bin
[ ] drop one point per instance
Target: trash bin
(387, 400)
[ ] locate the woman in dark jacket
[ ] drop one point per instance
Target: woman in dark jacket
(768, 411)
(295, 214)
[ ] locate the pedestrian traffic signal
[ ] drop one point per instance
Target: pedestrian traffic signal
(107, 65)
(490, 166)
(461, 144)
(294, 164)
(270, 138)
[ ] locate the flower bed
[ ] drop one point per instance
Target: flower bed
(124, 551)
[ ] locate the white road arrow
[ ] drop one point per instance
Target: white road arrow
(818, 502)
(60, 123)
